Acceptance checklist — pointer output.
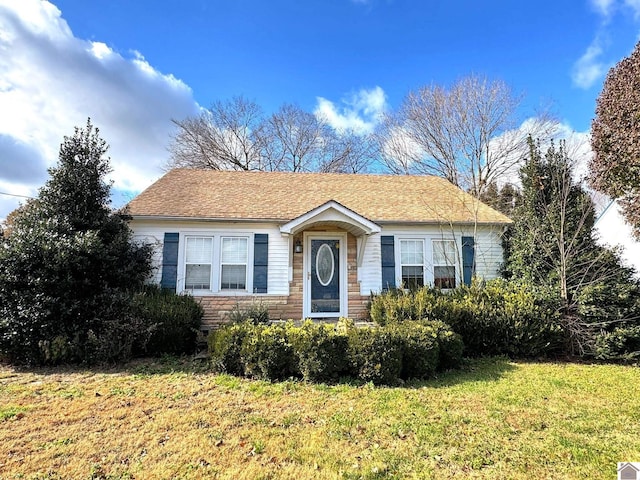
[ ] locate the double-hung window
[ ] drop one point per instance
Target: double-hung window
(444, 263)
(412, 263)
(233, 263)
(198, 259)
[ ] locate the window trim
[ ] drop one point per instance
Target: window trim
(216, 265)
(210, 263)
(246, 265)
(428, 267)
(423, 264)
(455, 263)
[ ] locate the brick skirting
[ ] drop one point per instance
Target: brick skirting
(217, 309)
(282, 307)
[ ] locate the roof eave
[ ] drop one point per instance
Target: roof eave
(179, 218)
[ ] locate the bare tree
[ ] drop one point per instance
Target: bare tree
(468, 134)
(357, 152)
(227, 136)
(235, 135)
(295, 140)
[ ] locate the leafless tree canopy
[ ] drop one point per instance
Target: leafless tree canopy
(225, 137)
(235, 135)
(468, 134)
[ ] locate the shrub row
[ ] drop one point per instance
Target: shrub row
(324, 352)
(496, 317)
(173, 321)
(150, 322)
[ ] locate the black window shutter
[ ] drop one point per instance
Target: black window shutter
(468, 259)
(260, 262)
(170, 261)
(388, 262)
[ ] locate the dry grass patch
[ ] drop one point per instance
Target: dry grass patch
(497, 419)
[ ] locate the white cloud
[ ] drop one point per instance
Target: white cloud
(51, 81)
(359, 113)
(603, 7)
(589, 68)
(634, 5)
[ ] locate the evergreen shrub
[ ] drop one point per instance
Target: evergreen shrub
(225, 347)
(496, 317)
(268, 354)
(321, 351)
(174, 321)
(375, 354)
(622, 343)
(327, 352)
(420, 349)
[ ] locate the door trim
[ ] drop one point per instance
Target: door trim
(306, 274)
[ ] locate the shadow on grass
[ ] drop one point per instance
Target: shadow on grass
(473, 370)
(137, 366)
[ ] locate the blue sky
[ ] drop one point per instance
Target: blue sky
(134, 65)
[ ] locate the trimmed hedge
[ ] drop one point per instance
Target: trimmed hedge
(327, 352)
(174, 321)
(496, 317)
(321, 351)
(267, 353)
(225, 347)
(376, 354)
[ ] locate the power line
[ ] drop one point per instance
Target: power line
(14, 195)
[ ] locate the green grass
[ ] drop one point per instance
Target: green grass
(174, 419)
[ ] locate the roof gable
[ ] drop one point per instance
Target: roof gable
(284, 196)
(332, 213)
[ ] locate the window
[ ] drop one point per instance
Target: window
(444, 261)
(412, 263)
(233, 261)
(198, 258)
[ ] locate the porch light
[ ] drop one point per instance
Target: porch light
(297, 248)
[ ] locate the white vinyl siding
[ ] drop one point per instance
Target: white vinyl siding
(152, 232)
(488, 249)
(370, 272)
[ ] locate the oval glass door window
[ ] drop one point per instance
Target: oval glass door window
(325, 265)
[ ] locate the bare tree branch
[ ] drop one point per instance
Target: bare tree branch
(467, 134)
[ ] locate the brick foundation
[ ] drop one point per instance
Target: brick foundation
(217, 308)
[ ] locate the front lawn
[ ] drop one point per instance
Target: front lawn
(496, 419)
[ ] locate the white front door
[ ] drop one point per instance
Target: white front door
(325, 274)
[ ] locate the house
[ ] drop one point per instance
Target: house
(628, 470)
(311, 245)
(615, 232)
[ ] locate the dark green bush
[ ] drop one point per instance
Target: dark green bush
(326, 352)
(623, 343)
(502, 317)
(175, 321)
(225, 348)
(69, 266)
(497, 317)
(450, 345)
(268, 354)
(321, 351)
(375, 355)
(420, 349)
